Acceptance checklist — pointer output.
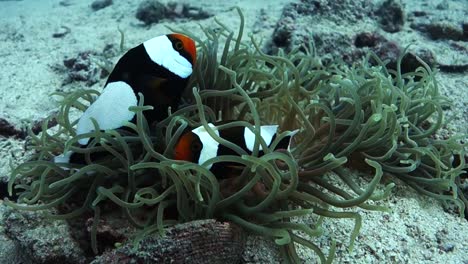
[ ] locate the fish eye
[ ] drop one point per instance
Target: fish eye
(179, 45)
(196, 146)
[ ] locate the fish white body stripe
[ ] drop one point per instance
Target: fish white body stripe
(210, 146)
(266, 132)
(63, 158)
(160, 51)
(110, 110)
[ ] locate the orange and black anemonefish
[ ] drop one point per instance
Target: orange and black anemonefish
(158, 68)
(197, 146)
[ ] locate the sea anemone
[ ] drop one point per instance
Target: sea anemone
(363, 117)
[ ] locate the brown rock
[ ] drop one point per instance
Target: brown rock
(201, 241)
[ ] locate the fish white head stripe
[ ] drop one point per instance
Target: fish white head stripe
(210, 146)
(266, 132)
(110, 110)
(161, 52)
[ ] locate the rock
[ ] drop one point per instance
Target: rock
(62, 32)
(100, 4)
(441, 22)
(445, 30)
(333, 45)
(340, 12)
(150, 12)
(43, 240)
(453, 68)
(443, 241)
(419, 13)
(444, 5)
(462, 180)
(110, 231)
(10, 252)
(4, 189)
(184, 10)
(389, 51)
(81, 69)
(294, 29)
(367, 39)
(66, 3)
(8, 130)
(410, 63)
(260, 250)
(465, 29)
(447, 247)
(282, 36)
(391, 16)
(201, 241)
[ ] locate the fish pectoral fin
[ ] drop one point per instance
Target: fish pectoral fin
(155, 88)
(110, 110)
(157, 82)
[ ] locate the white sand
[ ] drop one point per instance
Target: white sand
(409, 234)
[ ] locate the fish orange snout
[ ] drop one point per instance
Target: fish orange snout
(177, 155)
(182, 148)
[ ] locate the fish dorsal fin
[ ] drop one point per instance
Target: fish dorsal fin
(110, 110)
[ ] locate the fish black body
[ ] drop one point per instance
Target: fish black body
(161, 87)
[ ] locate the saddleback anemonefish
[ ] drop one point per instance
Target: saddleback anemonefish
(158, 68)
(197, 146)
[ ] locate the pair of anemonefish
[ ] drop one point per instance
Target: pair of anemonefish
(160, 69)
(198, 146)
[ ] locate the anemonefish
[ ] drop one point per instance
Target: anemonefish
(198, 146)
(158, 68)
